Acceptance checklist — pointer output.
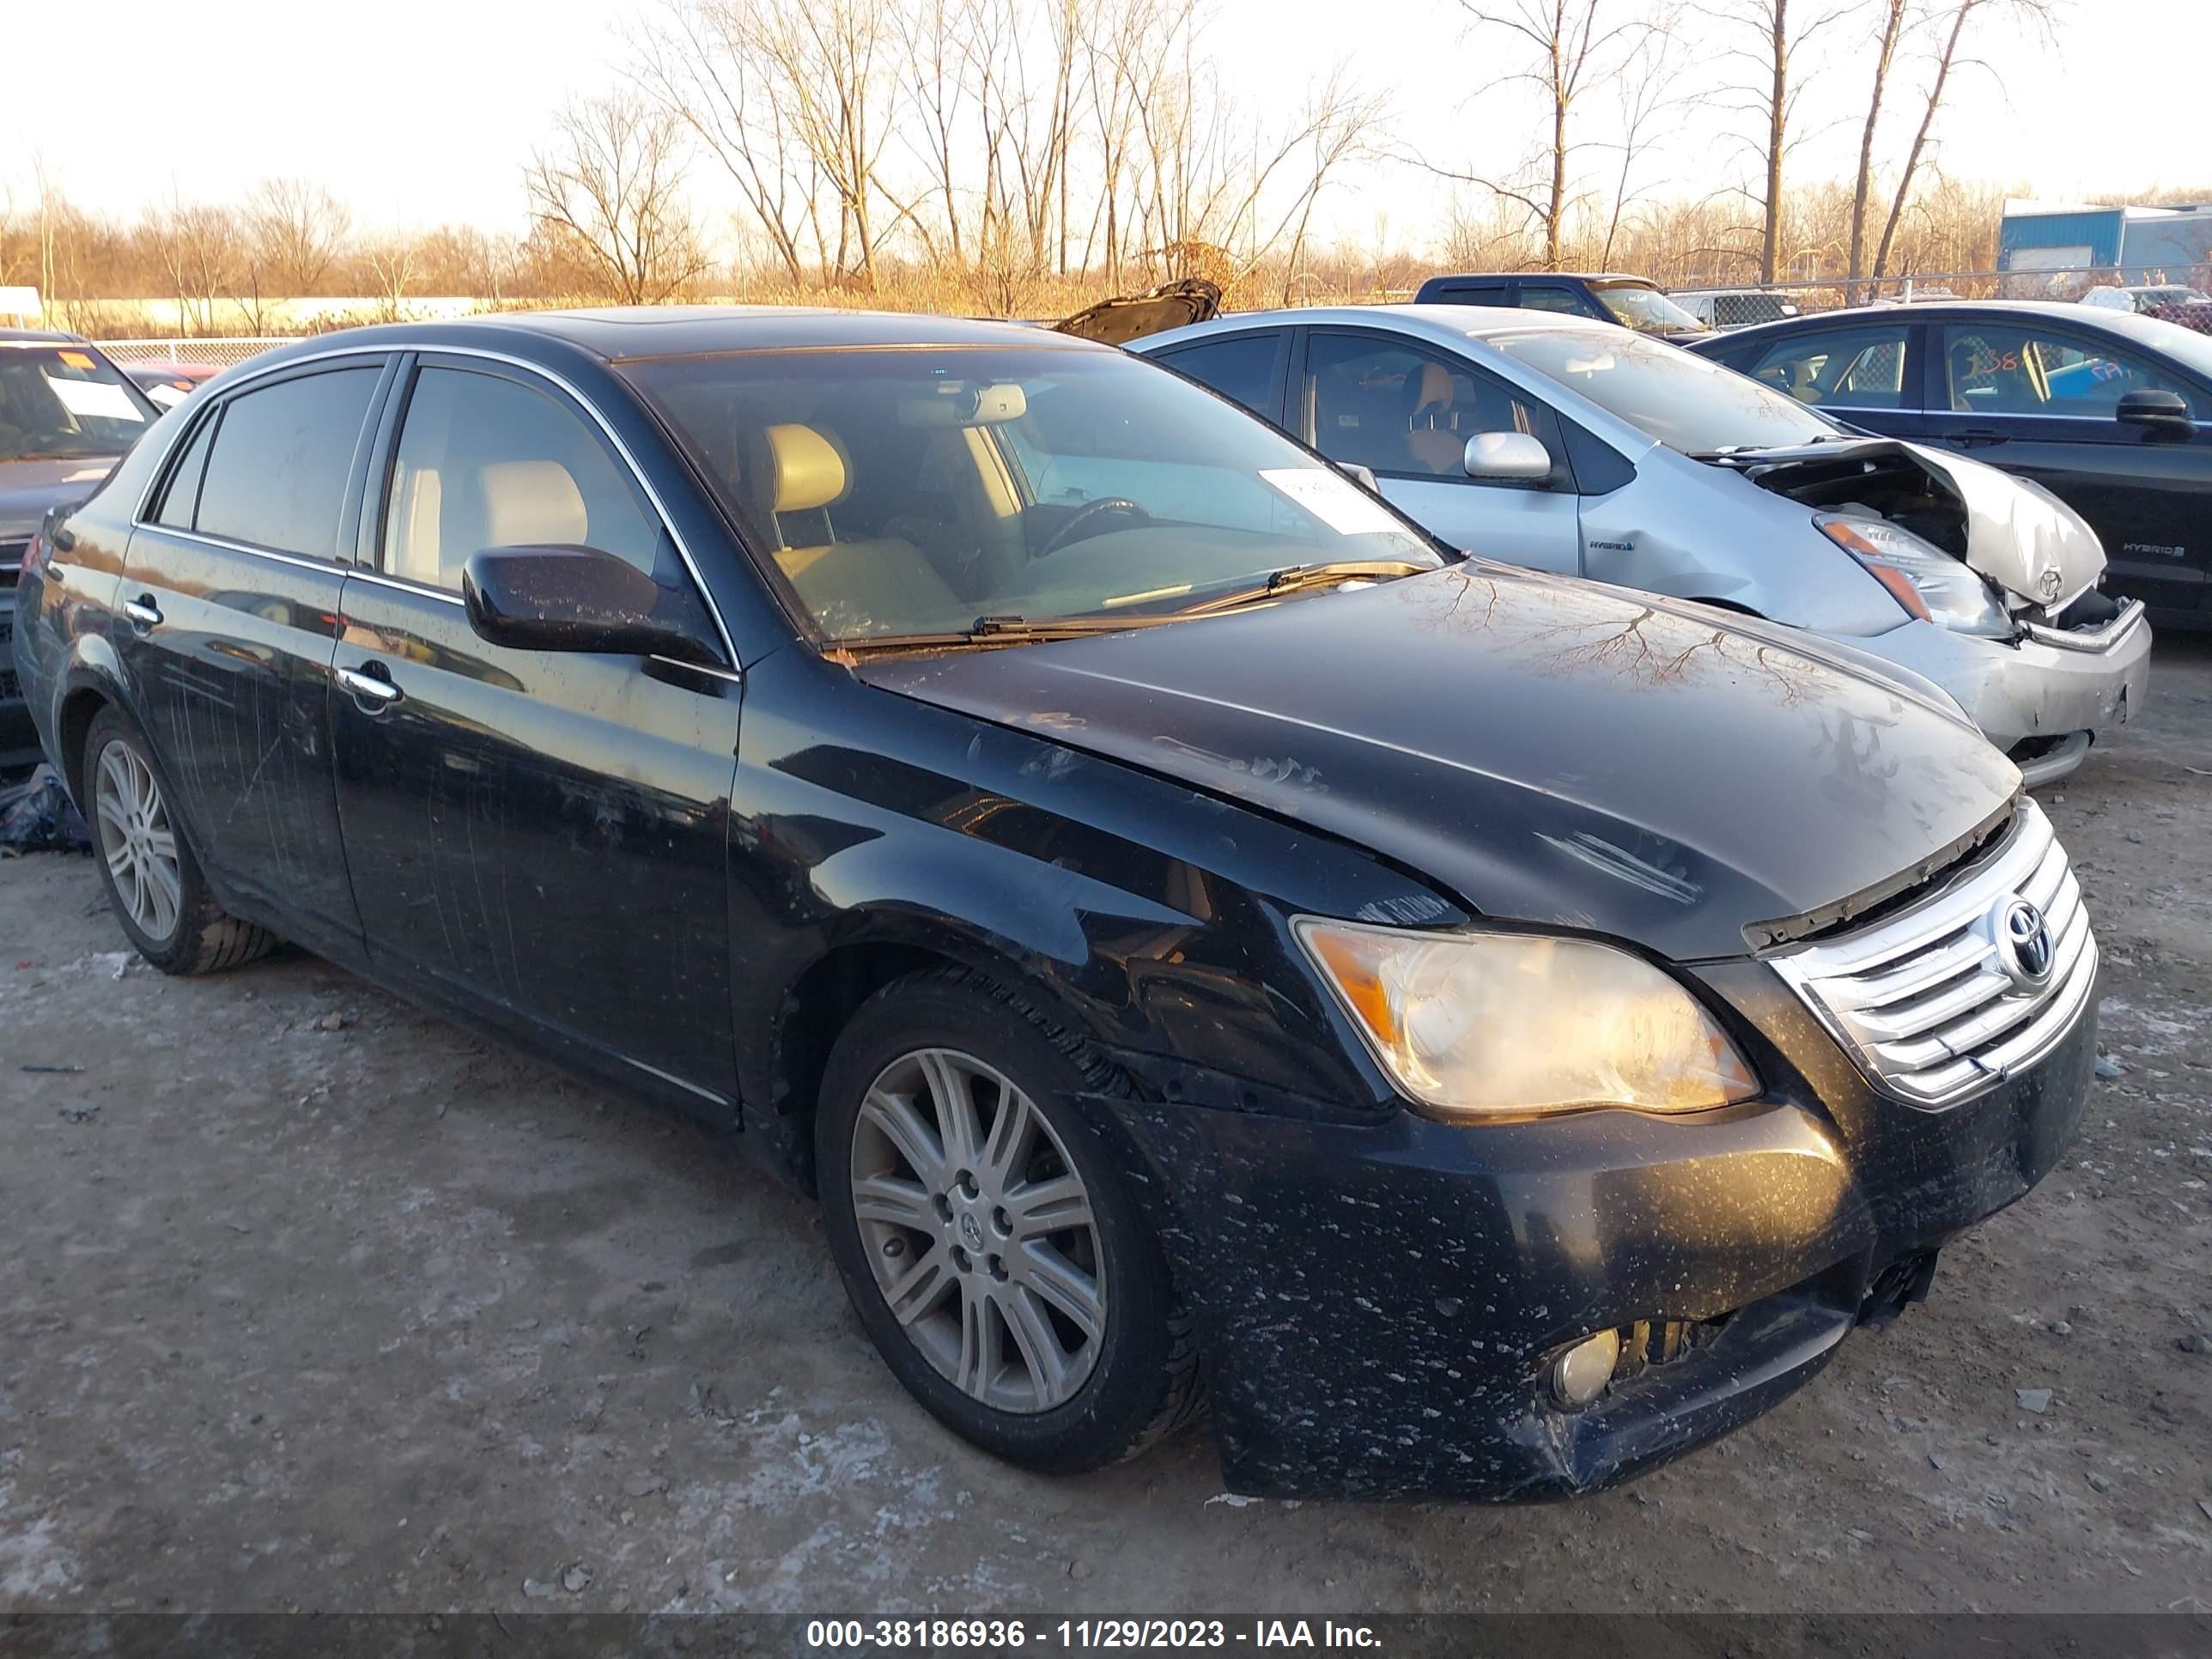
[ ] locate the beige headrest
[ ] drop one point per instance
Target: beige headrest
(532, 503)
(1435, 388)
(805, 470)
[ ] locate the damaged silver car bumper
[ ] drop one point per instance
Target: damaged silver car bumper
(2042, 697)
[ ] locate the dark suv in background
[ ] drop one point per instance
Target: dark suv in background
(66, 413)
(1634, 302)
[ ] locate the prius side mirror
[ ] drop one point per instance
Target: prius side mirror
(1362, 476)
(2155, 410)
(1507, 457)
(579, 598)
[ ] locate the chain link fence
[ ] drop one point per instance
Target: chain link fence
(221, 352)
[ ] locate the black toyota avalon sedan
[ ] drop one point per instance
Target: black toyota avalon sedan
(1491, 1033)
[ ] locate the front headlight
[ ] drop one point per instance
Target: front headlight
(1920, 576)
(1480, 1026)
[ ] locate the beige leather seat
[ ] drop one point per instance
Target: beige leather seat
(883, 585)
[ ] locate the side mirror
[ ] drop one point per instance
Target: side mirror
(579, 599)
(1507, 457)
(2156, 411)
(1362, 476)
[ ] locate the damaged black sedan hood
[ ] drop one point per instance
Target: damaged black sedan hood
(1550, 752)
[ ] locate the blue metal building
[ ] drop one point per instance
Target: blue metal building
(2141, 243)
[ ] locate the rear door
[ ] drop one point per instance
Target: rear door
(1405, 411)
(539, 838)
(230, 595)
(2038, 399)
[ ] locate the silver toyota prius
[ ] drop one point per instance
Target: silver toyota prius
(1577, 446)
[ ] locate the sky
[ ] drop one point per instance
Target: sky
(421, 111)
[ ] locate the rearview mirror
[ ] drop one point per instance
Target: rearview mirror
(1507, 457)
(579, 599)
(2160, 410)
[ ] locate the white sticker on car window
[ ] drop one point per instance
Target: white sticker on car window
(96, 400)
(1335, 500)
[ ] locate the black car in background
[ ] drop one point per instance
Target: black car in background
(2109, 411)
(66, 412)
(1001, 784)
(1635, 302)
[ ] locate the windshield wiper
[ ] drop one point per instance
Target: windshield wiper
(1003, 630)
(1297, 577)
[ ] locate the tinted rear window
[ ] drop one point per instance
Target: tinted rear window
(277, 475)
(1243, 367)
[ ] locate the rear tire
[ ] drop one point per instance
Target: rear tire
(989, 1244)
(154, 880)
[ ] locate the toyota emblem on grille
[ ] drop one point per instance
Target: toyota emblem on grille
(2024, 945)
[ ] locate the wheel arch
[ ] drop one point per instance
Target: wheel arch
(93, 681)
(792, 1040)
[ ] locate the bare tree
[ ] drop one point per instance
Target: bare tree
(391, 262)
(1653, 90)
(1570, 50)
(701, 62)
(295, 230)
(1892, 20)
(196, 244)
(1951, 32)
(1779, 29)
(610, 185)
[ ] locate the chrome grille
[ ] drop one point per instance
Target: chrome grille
(11, 559)
(1934, 1004)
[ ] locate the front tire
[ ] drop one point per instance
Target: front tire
(989, 1246)
(154, 883)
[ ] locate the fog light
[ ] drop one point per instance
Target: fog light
(1579, 1375)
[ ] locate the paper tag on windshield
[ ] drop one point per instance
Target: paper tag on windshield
(1335, 500)
(96, 400)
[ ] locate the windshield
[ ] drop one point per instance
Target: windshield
(2185, 346)
(1638, 307)
(1684, 401)
(62, 402)
(918, 491)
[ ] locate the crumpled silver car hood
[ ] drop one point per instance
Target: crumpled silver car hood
(2026, 540)
(2022, 538)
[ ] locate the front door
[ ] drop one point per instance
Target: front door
(1406, 412)
(2040, 401)
(540, 835)
(230, 591)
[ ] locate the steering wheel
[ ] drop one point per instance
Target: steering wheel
(1078, 526)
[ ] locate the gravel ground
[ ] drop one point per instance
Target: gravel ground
(310, 1301)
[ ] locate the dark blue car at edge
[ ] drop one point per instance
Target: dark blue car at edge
(1487, 1034)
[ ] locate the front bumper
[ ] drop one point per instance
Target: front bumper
(1381, 1302)
(2042, 698)
(19, 738)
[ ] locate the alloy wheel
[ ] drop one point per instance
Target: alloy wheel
(137, 840)
(980, 1230)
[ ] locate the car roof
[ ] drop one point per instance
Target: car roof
(1445, 324)
(1538, 276)
(619, 334)
(39, 337)
(2069, 312)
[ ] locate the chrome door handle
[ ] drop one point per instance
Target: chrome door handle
(142, 611)
(376, 687)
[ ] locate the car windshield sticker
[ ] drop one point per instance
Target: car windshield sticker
(96, 400)
(1335, 500)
